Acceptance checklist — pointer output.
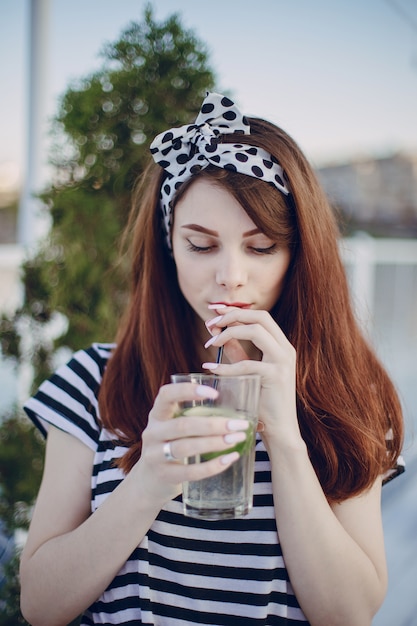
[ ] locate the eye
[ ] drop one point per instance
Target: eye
(267, 250)
(191, 246)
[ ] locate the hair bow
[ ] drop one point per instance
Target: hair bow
(185, 150)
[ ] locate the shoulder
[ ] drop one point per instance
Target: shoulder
(89, 364)
(83, 373)
(69, 399)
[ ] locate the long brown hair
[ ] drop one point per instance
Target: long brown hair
(346, 402)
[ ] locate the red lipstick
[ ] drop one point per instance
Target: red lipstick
(239, 305)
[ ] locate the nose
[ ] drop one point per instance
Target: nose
(231, 271)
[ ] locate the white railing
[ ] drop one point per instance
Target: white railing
(383, 279)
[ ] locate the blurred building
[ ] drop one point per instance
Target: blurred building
(378, 196)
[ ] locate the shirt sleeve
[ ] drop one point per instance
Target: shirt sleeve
(69, 399)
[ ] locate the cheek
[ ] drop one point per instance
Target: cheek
(188, 278)
(273, 280)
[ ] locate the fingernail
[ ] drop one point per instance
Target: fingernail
(214, 321)
(227, 459)
(205, 391)
(210, 341)
(216, 306)
(210, 366)
(237, 424)
(234, 437)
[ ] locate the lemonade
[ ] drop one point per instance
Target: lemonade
(229, 494)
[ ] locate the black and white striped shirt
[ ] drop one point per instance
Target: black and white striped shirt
(185, 571)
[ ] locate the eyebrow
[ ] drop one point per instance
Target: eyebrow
(214, 233)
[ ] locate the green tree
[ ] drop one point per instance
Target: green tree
(153, 77)
(21, 462)
(9, 594)
(21, 452)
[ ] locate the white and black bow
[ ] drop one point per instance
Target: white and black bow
(185, 150)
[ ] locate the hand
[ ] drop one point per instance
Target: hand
(277, 366)
(188, 436)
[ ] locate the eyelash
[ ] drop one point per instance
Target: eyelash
(270, 250)
(204, 249)
(195, 248)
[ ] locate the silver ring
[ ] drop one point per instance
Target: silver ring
(168, 452)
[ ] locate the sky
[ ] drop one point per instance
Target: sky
(339, 75)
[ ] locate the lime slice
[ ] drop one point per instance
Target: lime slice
(214, 411)
(242, 447)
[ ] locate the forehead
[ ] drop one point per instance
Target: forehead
(209, 202)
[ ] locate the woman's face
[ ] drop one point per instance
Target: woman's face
(221, 256)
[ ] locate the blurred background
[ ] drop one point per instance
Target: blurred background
(339, 75)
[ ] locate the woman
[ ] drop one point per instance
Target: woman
(233, 244)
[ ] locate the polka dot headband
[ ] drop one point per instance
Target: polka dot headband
(186, 150)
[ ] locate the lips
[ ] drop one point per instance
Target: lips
(239, 305)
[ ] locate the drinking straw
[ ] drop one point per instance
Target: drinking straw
(220, 351)
(219, 354)
(218, 360)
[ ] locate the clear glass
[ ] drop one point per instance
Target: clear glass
(229, 494)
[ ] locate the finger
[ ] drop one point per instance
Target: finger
(170, 395)
(233, 349)
(210, 446)
(177, 472)
(240, 368)
(235, 315)
(194, 427)
(256, 333)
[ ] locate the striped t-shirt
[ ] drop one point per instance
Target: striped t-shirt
(185, 571)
